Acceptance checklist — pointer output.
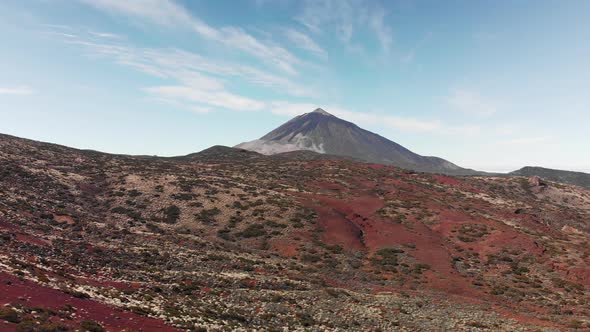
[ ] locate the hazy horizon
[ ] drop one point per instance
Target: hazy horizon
(493, 87)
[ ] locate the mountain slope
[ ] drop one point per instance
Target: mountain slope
(228, 240)
(569, 177)
(324, 133)
(221, 152)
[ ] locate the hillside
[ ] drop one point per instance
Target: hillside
(228, 240)
(569, 177)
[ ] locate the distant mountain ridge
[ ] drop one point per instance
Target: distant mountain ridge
(324, 133)
(576, 178)
(237, 154)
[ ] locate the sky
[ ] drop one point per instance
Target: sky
(490, 85)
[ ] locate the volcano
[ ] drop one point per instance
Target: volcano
(324, 133)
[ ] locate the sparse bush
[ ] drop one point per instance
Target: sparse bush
(134, 193)
(9, 315)
(310, 258)
(386, 258)
(420, 268)
(91, 326)
(35, 326)
(207, 216)
(478, 325)
(305, 319)
(171, 214)
(254, 230)
(184, 196)
(224, 234)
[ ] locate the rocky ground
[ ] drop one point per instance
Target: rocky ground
(229, 240)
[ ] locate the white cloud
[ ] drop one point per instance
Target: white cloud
(57, 26)
(411, 54)
(161, 11)
(507, 129)
(19, 90)
(200, 109)
(290, 109)
(167, 12)
(361, 118)
(396, 122)
(196, 83)
(213, 97)
(73, 32)
(407, 124)
(465, 130)
(471, 102)
(534, 140)
(183, 66)
(237, 38)
(381, 29)
(338, 13)
(201, 84)
(304, 42)
(105, 35)
(346, 18)
(261, 3)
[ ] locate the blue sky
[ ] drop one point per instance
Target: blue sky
(492, 85)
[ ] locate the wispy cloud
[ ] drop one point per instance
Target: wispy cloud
(261, 3)
(396, 122)
(303, 41)
(105, 35)
(18, 90)
(534, 140)
(193, 81)
(471, 102)
(164, 12)
(347, 18)
(217, 97)
(72, 32)
(169, 13)
(291, 109)
(381, 29)
(317, 14)
(200, 109)
(183, 66)
(202, 84)
(365, 118)
(411, 54)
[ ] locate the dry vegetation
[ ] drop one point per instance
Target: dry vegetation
(230, 240)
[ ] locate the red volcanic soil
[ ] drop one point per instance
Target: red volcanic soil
(456, 182)
(580, 275)
(21, 236)
(338, 229)
(31, 294)
(63, 219)
(328, 185)
(447, 180)
(8, 226)
(377, 166)
(285, 249)
(32, 240)
(500, 235)
(354, 224)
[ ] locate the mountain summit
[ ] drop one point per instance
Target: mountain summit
(325, 133)
(321, 111)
